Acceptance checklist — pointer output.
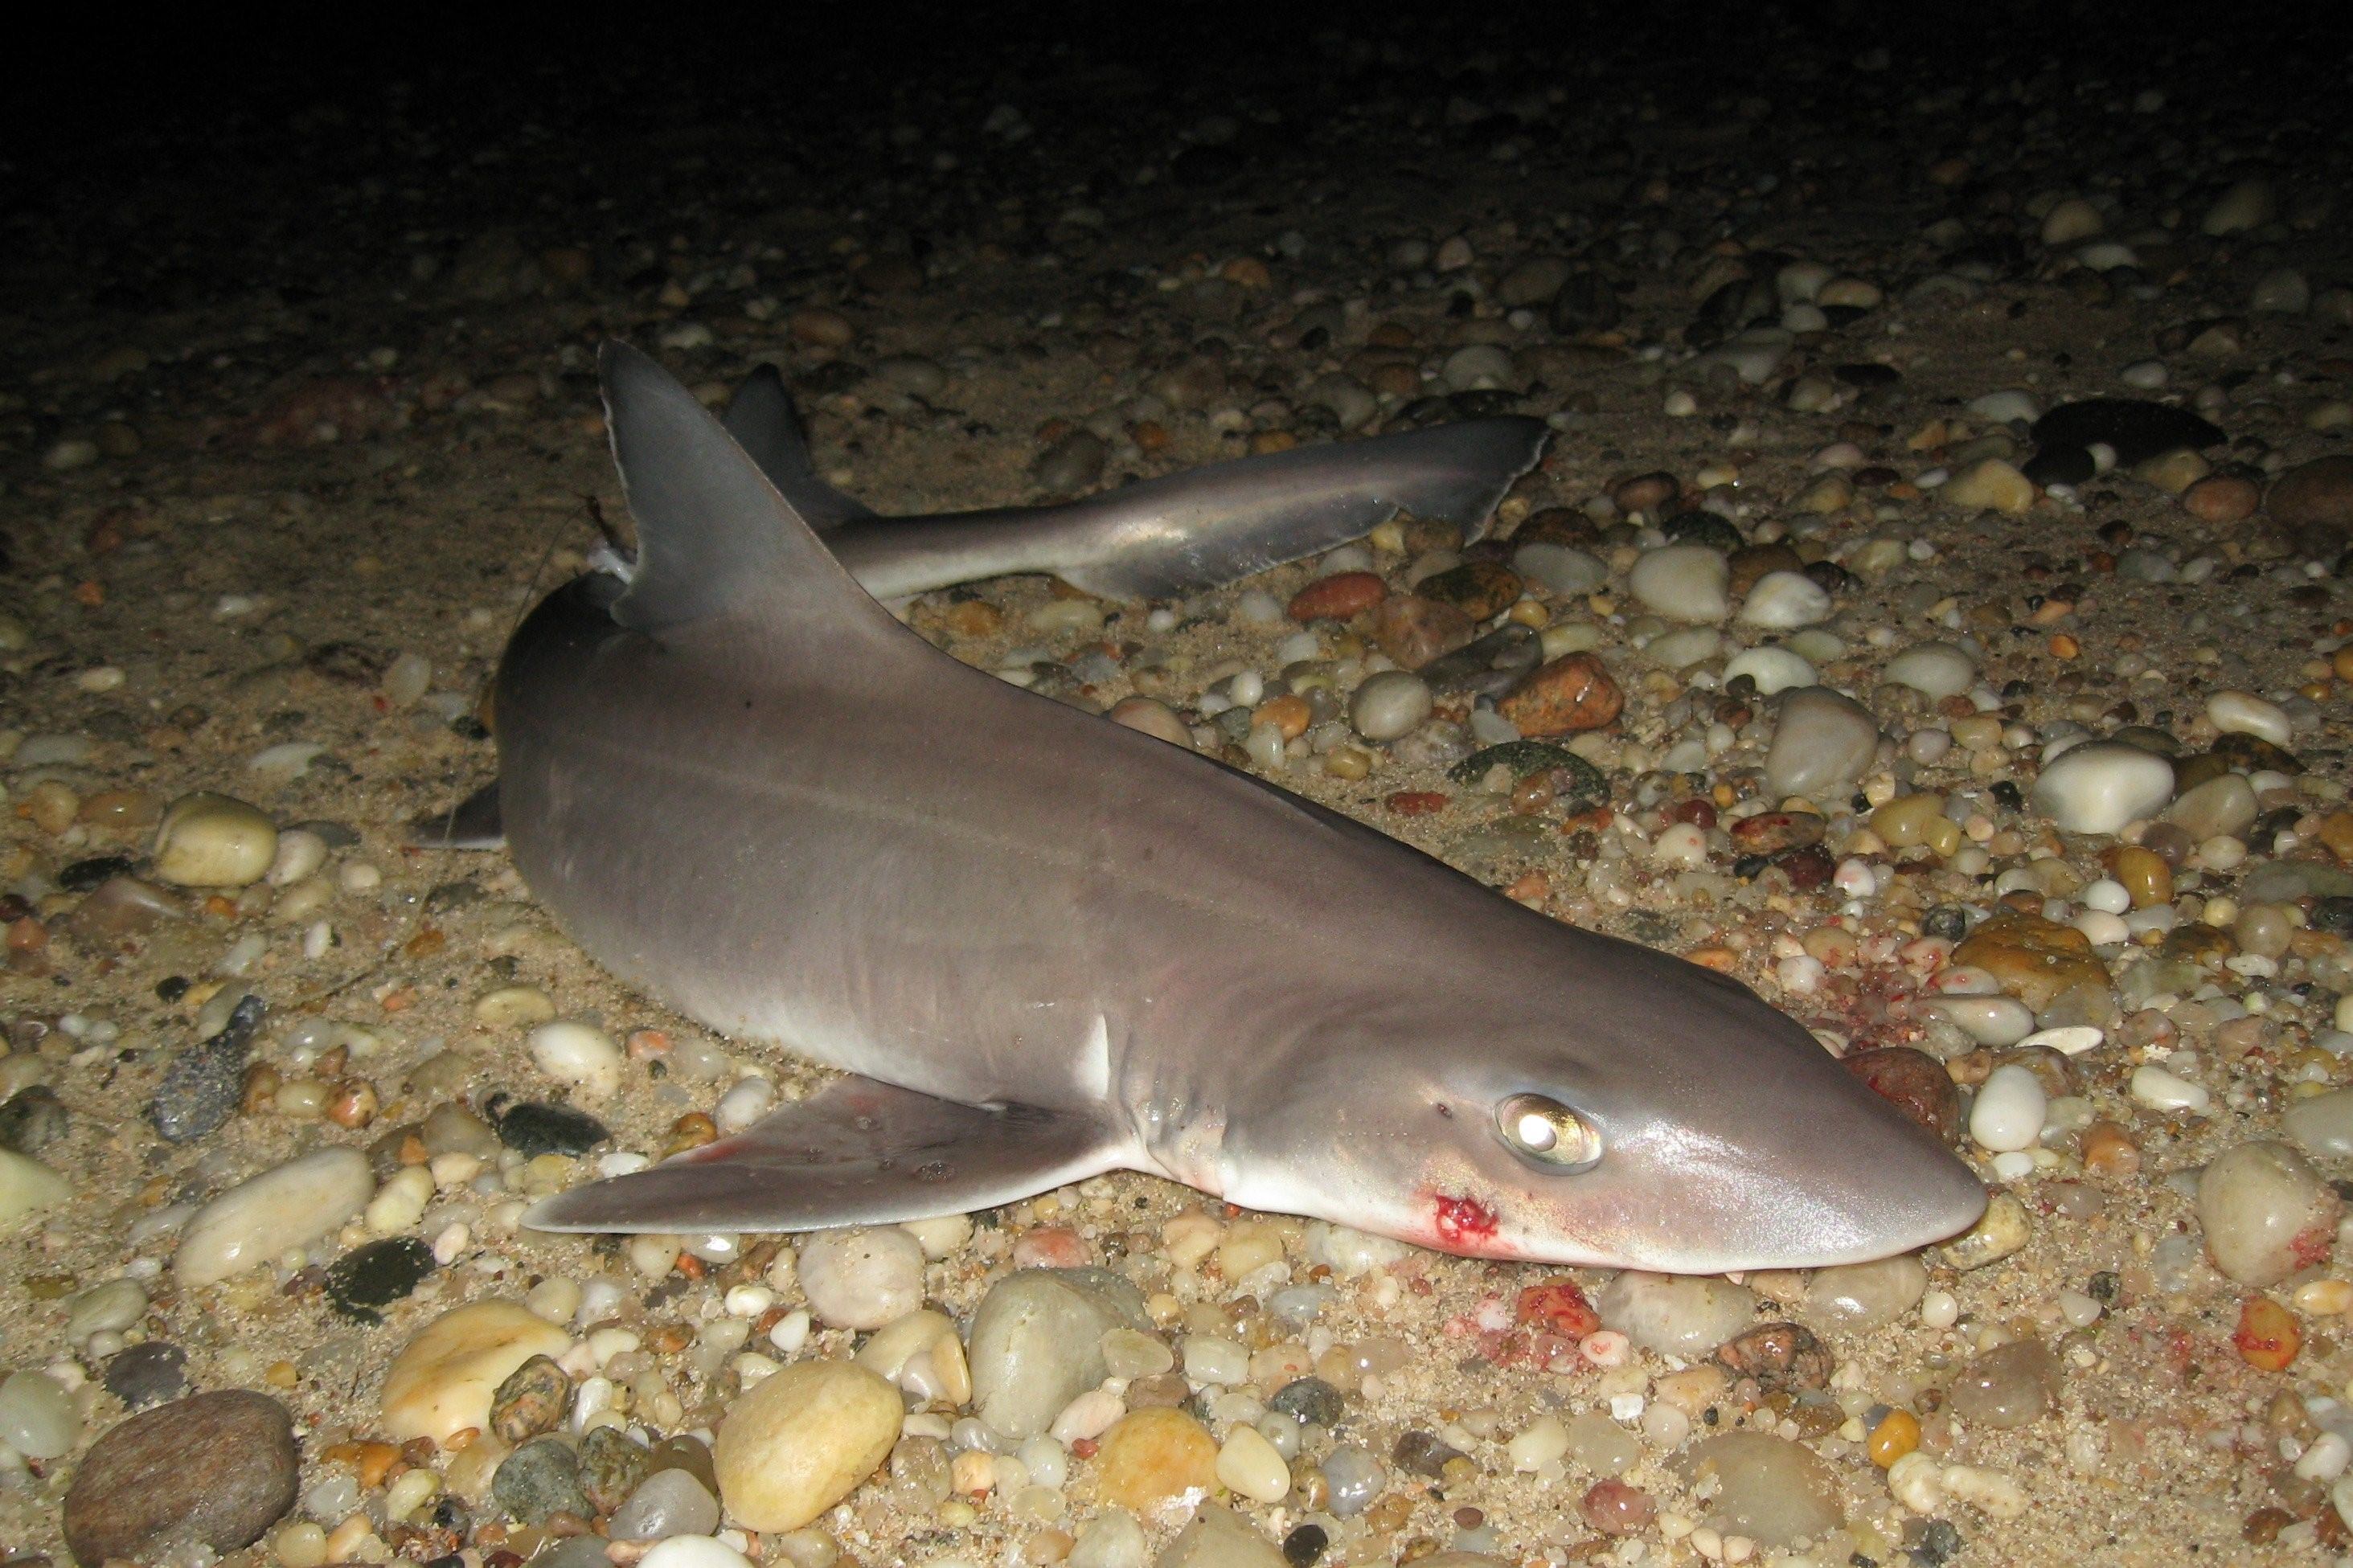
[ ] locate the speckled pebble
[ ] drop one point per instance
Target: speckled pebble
(1684, 1315)
(2266, 1212)
(801, 1439)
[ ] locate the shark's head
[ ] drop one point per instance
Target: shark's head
(1673, 1122)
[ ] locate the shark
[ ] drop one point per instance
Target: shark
(1037, 946)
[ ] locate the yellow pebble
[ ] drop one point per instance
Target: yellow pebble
(1906, 820)
(1897, 1434)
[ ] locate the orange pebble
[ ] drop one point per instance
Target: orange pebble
(2064, 647)
(2109, 1151)
(2268, 1336)
(1897, 1434)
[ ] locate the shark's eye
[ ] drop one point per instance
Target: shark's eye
(1547, 1132)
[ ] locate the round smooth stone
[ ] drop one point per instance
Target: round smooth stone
(1821, 743)
(1674, 1314)
(1037, 1342)
(28, 1187)
(1935, 669)
(105, 1309)
(1153, 718)
(666, 1503)
(2101, 786)
(445, 1379)
(2004, 407)
(860, 1277)
(801, 1440)
(212, 1471)
(2108, 896)
(1865, 1295)
(1994, 1021)
(2266, 1213)
(38, 1418)
(1563, 569)
(693, 1551)
(1768, 1489)
(208, 840)
(1773, 669)
(581, 1055)
(2323, 1124)
(1477, 366)
(1783, 601)
(1991, 485)
(1684, 583)
(2223, 807)
(2244, 713)
(266, 1218)
(1389, 705)
(2010, 1110)
(1681, 649)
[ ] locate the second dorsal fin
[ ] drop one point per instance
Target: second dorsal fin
(716, 542)
(765, 423)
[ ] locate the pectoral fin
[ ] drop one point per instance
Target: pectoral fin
(855, 1152)
(472, 824)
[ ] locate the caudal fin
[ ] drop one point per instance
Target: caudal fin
(1182, 533)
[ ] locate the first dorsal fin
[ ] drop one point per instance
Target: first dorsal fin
(764, 422)
(716, 542)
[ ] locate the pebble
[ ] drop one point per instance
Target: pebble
(1220, 1538)
(202, 1088)
(1563, 569)
(214, 1470)
(2001, 1230)
(2033, 959)
(862, 1278)
(1391, 704)
(1684, 1315)
(2250, 204)
(2222, 805)
(1989, 485)
(2323, 1124)
(1935, 669)
(1822, 741)
(697, 1552)
(37, 1417)
(2244, 713)
(532, 1127)
(263, 1218)
(1768, 1489)
(1864, 1296)
(1684, 583)
(1071, 464)
(147, 1374)
(32, 1118)
(2101, 786)
(668, 1502)
(2281, 292)
(1341, 597)
(2010, 1386)
(1989, 1020)
(2317, 494)
(27, 1187)
(539, 1481)
(2010, 1110)
(1037, 1342)
(1153, 1458)
(1249, 1464)
(106, 1309)
(2266, 1213)
(1569, 695)
(213, 841)
(581, 1056)
(444, 1380)
(1772, 669)
(802, 1439)
(1783, 601)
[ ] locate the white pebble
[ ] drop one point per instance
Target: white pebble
(2100, 786)
(1684, 583)
(2010, 1110)
(2158, 1089)
(1773, 668)
(1783, 601)
(578, 1054)
(2243, 713)
(862, 1278)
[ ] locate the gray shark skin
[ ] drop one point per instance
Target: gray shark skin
(1159, 538)
(1045, 946)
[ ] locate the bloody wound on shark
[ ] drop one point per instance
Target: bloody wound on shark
(1042, 946)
